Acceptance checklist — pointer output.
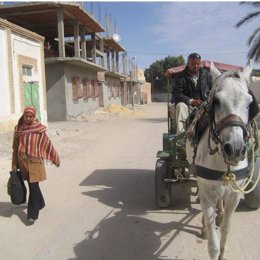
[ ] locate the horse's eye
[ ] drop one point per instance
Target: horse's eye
(216, 101)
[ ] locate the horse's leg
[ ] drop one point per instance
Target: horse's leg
(229, 208)
(208, 209)
(204, 232)
(220, 212)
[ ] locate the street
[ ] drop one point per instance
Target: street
(100, 201)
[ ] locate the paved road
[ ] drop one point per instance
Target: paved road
(100, 202)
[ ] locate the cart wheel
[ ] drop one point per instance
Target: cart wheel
(162, 189)
(252, 199)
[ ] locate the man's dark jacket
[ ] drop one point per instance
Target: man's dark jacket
(184, 88)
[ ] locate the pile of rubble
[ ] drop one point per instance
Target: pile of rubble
(117, 109)
(102, 114)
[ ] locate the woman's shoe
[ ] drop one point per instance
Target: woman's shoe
(31, 221)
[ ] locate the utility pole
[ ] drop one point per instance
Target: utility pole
(125, 73)
(131, 82)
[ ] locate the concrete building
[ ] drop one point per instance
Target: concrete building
(22, 74)
(82, 67)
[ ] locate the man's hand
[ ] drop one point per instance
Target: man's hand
(196, 102)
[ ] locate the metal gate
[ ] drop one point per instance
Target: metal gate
(31, 97)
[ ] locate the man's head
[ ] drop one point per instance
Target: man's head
(194, 61)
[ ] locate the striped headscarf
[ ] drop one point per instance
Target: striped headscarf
(33, 140)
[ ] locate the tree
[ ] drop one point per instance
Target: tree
(254, 39)
(155, 74)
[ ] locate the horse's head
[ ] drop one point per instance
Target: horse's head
(230, 103)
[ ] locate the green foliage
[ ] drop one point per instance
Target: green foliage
(155, 74)
(254, 38)
(256, 73)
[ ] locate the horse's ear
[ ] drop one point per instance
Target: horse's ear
(247, 72)
(214, 71)
(253, 108)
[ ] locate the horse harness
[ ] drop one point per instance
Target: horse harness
(215, 129)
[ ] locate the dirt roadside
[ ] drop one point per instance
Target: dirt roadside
(100, 202)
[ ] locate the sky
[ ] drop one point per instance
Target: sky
(151, 31)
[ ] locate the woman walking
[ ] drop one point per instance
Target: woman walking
(31, 146)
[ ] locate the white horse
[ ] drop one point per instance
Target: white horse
(222, 149)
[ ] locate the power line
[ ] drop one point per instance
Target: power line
(171, 54)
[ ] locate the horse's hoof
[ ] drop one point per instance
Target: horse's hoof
(221, 256)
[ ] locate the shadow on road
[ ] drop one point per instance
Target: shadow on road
(128, 231)
(7, 209)
(153, 120)
(243, 208)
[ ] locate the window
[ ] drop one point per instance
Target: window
(86, 88)
(27, 71)
(93, 88)
(96, 88)
(76, 88)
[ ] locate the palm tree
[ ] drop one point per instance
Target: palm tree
(254, 39)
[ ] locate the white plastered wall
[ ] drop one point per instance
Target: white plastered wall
(20, 46)
(27, 48)
(4, 83)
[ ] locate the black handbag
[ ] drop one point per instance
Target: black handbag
(17, 188)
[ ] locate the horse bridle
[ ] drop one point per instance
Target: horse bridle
(217, 127)
(230, 120)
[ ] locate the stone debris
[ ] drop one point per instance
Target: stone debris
(118, 109)
(96, 116)
(106, 113)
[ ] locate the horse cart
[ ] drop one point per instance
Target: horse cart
(172, 165)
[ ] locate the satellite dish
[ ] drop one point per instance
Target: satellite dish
(116, 37)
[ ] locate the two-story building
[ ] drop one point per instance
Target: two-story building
(82, 67)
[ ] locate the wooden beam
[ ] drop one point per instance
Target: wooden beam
(30, 12)
(117, 61)
(60, 21)
(83, 42)
(76, 40)
(98, 37)
(113, 60)
(108, 60)
(100, 53)
(102, 50)
(94, 48)
(124, 63)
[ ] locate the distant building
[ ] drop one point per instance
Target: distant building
(146, 97)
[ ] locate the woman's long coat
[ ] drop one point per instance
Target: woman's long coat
(32, 168)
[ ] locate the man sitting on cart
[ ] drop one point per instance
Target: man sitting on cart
(190, 89)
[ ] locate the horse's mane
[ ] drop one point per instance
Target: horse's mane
(228, 74)
(236, 74)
